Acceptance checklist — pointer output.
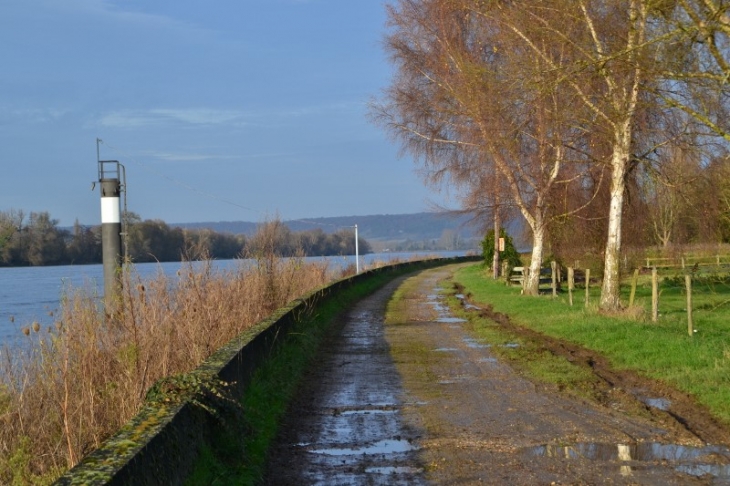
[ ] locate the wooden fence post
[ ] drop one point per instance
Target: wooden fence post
(554, 278)
(588, 284)
(654, 295)
(571, 280)
(690, 324)
(525, 274)
(634, 281)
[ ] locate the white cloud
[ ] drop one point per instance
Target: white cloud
(209, 117)
(167, 116)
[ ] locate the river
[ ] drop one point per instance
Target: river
(33, 294)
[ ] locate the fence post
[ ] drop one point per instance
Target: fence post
(690, 323)
(634, 281)
(654, 295)
(588, 283)
(554, 277)
(525, 273)
(571, 277)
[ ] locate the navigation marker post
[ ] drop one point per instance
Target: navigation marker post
(112, 181)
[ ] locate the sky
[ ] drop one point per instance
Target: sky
(228, 110)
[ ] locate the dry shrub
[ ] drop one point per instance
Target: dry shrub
(80, 381)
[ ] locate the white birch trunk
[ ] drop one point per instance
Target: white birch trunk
(610, 291)
(538, 245)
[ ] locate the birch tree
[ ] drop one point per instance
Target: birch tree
(608, 47)
(475, 107)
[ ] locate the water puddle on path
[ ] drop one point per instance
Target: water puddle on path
(466, 304)
(381, 447)
(369, 411)
(658, 403)
(449, 320)
(393, 470)
(696, 461)
(474, 344)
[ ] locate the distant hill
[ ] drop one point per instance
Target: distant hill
(388, 229)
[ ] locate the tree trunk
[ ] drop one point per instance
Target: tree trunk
(495, 258)
(610, 291)
(538, 241)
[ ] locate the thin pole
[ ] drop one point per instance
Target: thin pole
(357, 253)
(690, 322)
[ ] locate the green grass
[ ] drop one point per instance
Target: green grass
(699, 365)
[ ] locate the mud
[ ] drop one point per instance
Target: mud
(422, 401)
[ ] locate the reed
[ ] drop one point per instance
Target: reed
(83, 378)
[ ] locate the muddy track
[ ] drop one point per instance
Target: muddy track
(420, 400)
(682, 411)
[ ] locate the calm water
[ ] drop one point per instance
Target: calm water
(31, 294)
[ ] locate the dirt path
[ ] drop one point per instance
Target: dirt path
(422, 402)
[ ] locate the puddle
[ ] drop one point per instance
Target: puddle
(445, 350)
(706, 469)
(658, 403)
(394, 470)
(696, 461)
(511, 345)
(474, 344)
(382, 447)
(369, 411)
(450, 319)
(488, 360)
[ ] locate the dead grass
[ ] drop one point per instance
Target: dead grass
(85, 377)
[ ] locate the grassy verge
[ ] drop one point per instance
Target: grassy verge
(699, 365)
(270, 392)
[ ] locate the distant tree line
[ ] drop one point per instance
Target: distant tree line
(35, 239)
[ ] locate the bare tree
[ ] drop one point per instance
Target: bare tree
(476, 108)
(607, 47)
(695, 61)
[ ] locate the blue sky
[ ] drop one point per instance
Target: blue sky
(220, 111)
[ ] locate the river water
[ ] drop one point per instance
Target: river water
(33, 294)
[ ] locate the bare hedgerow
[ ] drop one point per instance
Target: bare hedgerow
(82, 379)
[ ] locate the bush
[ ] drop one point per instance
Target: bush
(509, 255)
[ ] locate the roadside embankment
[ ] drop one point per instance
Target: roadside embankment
(197, 411)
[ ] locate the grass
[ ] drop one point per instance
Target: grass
(698, 364)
